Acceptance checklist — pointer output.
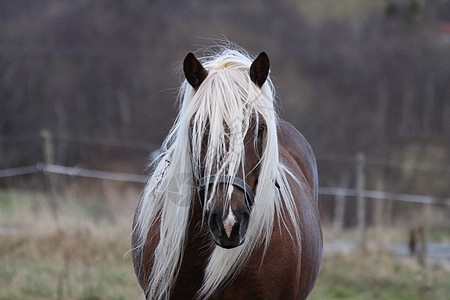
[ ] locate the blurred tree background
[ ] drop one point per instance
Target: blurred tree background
(353, 76)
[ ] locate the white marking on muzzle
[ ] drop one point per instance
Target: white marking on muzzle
(229, 222)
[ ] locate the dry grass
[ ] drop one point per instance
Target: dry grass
(80, 255)
(377, 274)
(371, 276)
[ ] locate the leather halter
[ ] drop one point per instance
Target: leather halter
(237, 182)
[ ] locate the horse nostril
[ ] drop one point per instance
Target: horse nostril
(214, 223)
(244, 223)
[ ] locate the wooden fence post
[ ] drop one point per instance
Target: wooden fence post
(379, 203)
(361, 203)
(49, 158)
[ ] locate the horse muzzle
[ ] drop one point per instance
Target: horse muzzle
(228, 231)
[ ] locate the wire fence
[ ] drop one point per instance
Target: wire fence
(80, 172)
(51, 168)
(384, 195)
(19, 171)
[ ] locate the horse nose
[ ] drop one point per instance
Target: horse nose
(229, 231)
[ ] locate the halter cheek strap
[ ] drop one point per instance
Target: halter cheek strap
(237, 182)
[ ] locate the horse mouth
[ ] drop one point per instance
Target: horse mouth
(229, 240)
(228, 243)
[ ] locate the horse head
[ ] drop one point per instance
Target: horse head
(226, 155)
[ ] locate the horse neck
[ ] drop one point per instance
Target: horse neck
(195, 256)
(197, 235)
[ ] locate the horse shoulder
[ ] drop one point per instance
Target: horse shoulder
(294, 145)
(300, 150)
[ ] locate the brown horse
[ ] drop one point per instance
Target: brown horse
(230, 211)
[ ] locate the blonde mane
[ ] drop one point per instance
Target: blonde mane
(223, 108)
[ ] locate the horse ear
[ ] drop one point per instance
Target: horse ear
(260, 69)
(193, 70)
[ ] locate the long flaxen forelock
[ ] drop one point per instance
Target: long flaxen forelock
(222, 108)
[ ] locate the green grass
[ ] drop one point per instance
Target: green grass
(83, 255)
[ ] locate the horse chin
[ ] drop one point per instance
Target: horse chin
(227, 243)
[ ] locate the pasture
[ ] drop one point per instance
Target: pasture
(83, 254)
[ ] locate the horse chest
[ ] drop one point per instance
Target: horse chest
(254, 287)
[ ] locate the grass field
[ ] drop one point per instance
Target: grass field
(83, 255)
(380, 277)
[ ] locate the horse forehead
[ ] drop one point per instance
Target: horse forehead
(230, 131)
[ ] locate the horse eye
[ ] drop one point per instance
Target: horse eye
(261, 130)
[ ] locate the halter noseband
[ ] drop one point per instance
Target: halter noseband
(237, 182)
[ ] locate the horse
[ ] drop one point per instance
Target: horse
(230, 210)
